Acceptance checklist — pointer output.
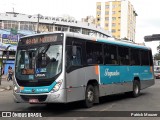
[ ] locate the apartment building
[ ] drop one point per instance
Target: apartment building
(118, 17)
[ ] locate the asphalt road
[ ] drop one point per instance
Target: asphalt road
(147, 101)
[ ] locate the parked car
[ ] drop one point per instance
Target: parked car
(157, 74)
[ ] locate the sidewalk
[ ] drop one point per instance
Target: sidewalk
(5, 85)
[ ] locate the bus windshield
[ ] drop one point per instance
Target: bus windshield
(39, 62)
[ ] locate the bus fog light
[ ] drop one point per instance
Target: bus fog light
(57, 86)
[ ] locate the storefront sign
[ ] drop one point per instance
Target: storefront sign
(10, 39)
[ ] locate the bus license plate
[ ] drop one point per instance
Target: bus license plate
(33, 101)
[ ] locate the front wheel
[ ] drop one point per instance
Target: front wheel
(89, 96)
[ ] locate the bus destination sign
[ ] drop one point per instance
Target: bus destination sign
(41, 39)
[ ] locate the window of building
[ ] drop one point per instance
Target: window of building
(113, 18)
(86, 31)
(106, 24)
(27, 26)
(99, 7)
(113, 30)
(10, 24)
(0, 24)
(107, 6)
(64, 28)
(106, 12)
(113, 24)
(45, 28)
(113, 12)
(75, 29)
(98, 12)
(106, 18)
(113, 6)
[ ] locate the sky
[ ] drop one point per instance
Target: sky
(147, 21)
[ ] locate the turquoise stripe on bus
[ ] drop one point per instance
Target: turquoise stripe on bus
(123, 44)
(35, 90)
(120, 74)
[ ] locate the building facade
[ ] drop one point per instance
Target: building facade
(118, 17)
(89, 19)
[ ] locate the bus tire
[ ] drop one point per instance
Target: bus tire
(136, 88)
(89, 96)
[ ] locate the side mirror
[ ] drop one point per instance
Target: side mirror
(74, 50)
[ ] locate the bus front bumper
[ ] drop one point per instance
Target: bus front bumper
(56, 97)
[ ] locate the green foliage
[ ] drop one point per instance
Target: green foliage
(157, 56)
(158, 47)
(14, 31)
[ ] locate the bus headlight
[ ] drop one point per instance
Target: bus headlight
(15, 88)
(57, 86)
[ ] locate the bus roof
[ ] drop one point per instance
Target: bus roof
(110, 41)
(92, 38)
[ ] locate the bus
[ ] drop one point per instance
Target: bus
(63, 67)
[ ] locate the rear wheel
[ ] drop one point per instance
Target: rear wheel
(89, 96)
(136, 88)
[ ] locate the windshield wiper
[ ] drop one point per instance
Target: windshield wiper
(46, 48)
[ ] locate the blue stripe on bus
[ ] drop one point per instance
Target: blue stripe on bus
(43, 89)
(120, 74)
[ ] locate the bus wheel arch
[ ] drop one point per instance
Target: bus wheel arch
(91, 93)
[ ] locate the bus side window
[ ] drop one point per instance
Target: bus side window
(73, 60)
(77, 58)
(68, 56)
(94, 53)
(110, 54)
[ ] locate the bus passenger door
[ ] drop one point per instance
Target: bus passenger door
(75, 73)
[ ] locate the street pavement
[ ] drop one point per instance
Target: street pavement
(147, 101)
(5, 85)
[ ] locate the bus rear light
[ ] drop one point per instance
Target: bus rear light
(151, 69)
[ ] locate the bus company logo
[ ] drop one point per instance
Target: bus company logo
(40, 75)
(111, 74)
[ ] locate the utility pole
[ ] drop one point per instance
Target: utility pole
(38, 23)
(1, 67)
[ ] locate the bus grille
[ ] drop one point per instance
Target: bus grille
(34, 84)
(41, 98)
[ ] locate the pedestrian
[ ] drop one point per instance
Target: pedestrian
(10, 73)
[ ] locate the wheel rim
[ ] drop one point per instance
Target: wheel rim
(136, 89)
(90, 96)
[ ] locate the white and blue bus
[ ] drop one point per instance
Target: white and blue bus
(63, 67)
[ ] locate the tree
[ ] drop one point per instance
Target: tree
(13, 31)
(157, 56)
